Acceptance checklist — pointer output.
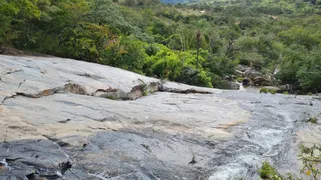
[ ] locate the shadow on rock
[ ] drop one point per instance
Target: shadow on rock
(33, 160)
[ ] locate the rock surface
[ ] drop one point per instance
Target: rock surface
(67, 119)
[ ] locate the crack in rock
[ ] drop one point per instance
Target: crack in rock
(68, 88)
(64, 121)
(21, 83)
(135, 93)
(62, 168)
(104, 119)
(9, 72)
(91, 76)
(110, 93)
(12, 71)
(57, 141)
(183, 91)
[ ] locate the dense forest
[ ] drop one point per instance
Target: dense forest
(197, 43)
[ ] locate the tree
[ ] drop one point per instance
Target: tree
(198, 44)
(7, 13)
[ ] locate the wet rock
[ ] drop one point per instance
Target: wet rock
(36, 158)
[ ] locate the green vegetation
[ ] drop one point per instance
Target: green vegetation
(197, 44)
(272, 91)
(264, 90)
(310, 157)
(111, 97)
(268, 172)
(268, 90)
(144, 89)
(313, 120)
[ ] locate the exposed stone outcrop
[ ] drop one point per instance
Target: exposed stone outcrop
(67, 119)
(36, 78)
(253, 77)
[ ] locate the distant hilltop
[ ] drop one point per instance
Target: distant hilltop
(177, 1)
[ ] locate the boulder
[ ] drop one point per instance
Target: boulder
(252, 73)
(242, 68)
(253, 77)
(239, 73)
(233, 85)
(262, 81)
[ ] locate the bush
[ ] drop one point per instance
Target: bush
(268, 172)
(268, 90)
(195, 77)
(239, 79)
(272, 91)
(311, 161)
(264, 90)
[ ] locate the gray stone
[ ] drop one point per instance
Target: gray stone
(39, 76)
(242, 68)
(67, 119)
(234, 85)
(262, 81)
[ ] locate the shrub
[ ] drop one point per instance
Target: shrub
(310, 161)
(111, 97)
(264, 90)
(313, 120)
(268, 172)
(268, 90)
(239, 79)
(196, 77)
(272, 91)
(145, 89)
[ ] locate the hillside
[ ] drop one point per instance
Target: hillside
(176, 1)
(208, 43)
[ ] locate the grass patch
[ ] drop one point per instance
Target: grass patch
(239, 79)
(111, 97)
(264, 90)
(268, 90)
(313, 120)
(272, 91)
(145, 89)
